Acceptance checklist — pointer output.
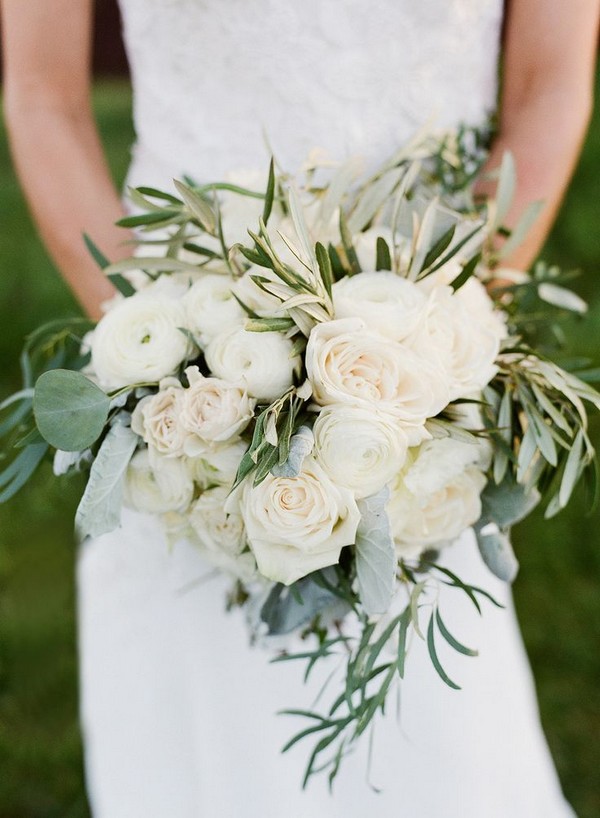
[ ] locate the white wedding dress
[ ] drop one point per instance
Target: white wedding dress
(178, 711)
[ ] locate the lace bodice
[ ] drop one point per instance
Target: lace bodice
(215, 80)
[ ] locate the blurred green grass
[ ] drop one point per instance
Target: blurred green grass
(557, 592)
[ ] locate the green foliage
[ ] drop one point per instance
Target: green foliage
(70, 410)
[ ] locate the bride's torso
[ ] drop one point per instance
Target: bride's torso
(215, 80)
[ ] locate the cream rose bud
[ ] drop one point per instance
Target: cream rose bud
(261, 361)
(359, 448)
(216, 529)
(219, 464)
(296, 525)
(157, 419)
(436, 496)
(462, 334)
(212, 411)
(349, 363)
(157, 486)
(211, 307)
(386, 302)
(140, 341)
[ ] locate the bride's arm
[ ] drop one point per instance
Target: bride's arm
(546, 103)
(55, 144)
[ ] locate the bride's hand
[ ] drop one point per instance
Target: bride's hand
(54, 140)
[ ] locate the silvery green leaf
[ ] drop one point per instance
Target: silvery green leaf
(160, 264)
(70, 411)
(376, 559)
(573, 469)
(300, 226)
(562, 297)
(99, 510)
(65, 462)
(338, 188)
(507, 503)
(301, 445)
(289, 607)
(496, 551)
(372, 199)
(198, 207)
(543, 436)
(522, 228)
(527, 452)
(506, 188)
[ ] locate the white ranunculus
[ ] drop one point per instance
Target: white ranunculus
(436, 496)
(351, 364)
(248, 291)
(386, 302)
(359, 448)
(158, 485)
(220, 534)
(461, 333)
(216, 529)
(296, 525)
(219, 464)
(157, 419)
(212, 411)
(211, 307)
(139, 341)
(365, 245)
(261, 361)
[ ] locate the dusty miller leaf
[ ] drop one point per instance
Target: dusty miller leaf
(375, 554)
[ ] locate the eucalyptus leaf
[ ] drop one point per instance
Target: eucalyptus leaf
(99, 510)
(289, 607)
(70, 411)
(376, 559)
(507, 503)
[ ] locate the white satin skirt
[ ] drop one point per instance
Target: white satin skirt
(179, 712)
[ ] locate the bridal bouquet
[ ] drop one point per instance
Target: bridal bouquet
(307, 378)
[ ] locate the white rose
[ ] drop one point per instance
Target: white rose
(462, 335)
(157, 418)
(212, 411)
(296, 525)
(158, 485)
(436, 496)
(211, 307)
(358, 448)
(219, 464)
(261, 361)
(139, 341)
(348, 363)
(386, 302)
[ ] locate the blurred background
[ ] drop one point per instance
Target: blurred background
(557, 592)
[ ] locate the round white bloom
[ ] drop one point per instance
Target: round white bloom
(296, 525)
(348, 363)
(157, 419)
(216, 529)
(386, 302)
(165, 484)
(212, 411)
(219, 464)
(139, 341)
(359, 448)
(462, 334)
(437, 495)
(248, 291)
(261, 361)
(211, 307)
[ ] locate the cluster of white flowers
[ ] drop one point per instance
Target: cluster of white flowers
(394, 355)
